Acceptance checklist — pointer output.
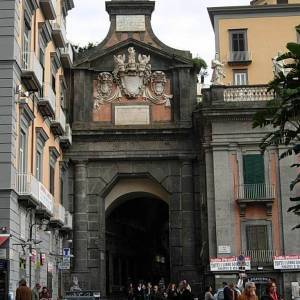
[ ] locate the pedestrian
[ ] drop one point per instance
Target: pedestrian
(184, 291)
(36, 292)
(23, 292)
(148, 291)
(44, 294)
(156, 295)
(208, 293)
(130, 292)
(271, 292)
(249, 292)
(228, 292)
(139, 292)
(172, 291)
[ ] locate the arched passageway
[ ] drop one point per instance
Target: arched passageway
(137, 241)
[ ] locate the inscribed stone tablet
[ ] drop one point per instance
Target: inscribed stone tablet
(132, 115)
(131, 23)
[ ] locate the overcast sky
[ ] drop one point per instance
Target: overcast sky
(182, 24)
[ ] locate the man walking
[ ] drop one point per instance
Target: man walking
(23, 292)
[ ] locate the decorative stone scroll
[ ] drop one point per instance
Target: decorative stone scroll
(132, 80)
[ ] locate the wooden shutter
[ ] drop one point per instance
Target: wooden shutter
(254, 171)
(257, 237)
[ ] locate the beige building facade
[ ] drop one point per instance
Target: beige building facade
(35, 58)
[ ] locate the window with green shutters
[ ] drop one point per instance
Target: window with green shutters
(257, 237)
(254, 176)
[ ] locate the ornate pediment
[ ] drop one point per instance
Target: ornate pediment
(132, 79)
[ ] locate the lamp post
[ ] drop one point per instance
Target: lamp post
(31, 241)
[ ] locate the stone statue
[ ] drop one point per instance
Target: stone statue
(75, 287)
(143, 61)
(218, 71)
(120, 62)
(131, 59)
(278, 66)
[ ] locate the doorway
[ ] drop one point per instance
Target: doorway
(137, 242)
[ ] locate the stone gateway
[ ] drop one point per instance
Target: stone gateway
(136, 165)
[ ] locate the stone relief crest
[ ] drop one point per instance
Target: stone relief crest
(132, 79)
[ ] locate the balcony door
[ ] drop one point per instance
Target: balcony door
(254, 176)
(22, 152)
(257, 237)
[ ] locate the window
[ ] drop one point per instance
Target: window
(39, 164)
(282, 1)
(238, 40)
(52, 178)
(26, 46)
(62, 96)
(53, 73)
(41, 138)
(240, 77)
(257, 237)
(54, 154)
(22, 152)
(254, 176)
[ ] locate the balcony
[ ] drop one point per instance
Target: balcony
(66, 56)
(58, 218)
(32, 72)
(48, 8)
(58, 125)
(46, 103)
(260, 257)
(59, 34)
(239, 58)
(66, 139)
(260, 193)
(247, 93)
(27, 187)
(68, 224)
(33, 193)
(46, 201)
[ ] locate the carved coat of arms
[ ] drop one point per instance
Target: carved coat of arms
(132, 79)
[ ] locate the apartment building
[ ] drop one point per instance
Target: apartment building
(34, 132)
(247, 192)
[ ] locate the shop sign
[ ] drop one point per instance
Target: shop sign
(64, 265)
(289, 262)
(220, 264)
(260, 280)
(33, 255)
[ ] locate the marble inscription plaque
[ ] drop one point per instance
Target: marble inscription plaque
(132, 115)
(130, 23)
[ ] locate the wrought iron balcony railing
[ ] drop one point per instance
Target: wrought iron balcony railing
(262, 257)
(256, 191)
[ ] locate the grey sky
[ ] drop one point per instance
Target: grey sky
(182, 24)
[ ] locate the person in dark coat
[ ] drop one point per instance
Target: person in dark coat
(271, 292)
(139, 292)
(23, 292)
(184, 292)
(44, 294)
(228, 292)
(172, 291)
(156, 295)
(130, 292)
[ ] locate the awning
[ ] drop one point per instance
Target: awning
(3, 238)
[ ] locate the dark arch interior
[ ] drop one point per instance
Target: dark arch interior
(137, 243)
